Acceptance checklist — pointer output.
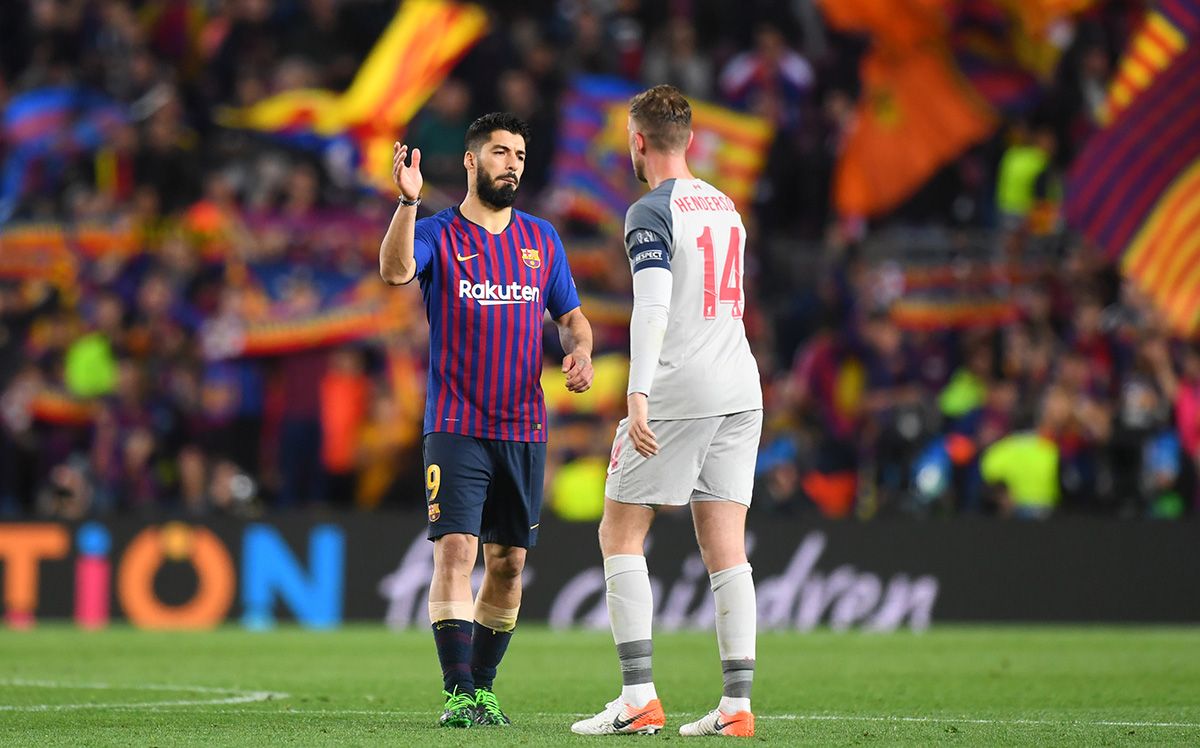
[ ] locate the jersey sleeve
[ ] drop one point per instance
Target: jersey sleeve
(647, 249)
(561, 295)
(648, 227)
(424, 245)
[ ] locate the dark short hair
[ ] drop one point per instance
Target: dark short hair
(481, 129)
(664, 116)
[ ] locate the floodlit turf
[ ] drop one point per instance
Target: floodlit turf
(368, 686)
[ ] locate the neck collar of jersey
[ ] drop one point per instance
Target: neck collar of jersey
(512, 216)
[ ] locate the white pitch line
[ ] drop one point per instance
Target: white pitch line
(788, 717)
(233, 696)
(972, 720)
(237, 696)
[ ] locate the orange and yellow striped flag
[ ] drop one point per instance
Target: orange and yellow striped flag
(418, 49)
(1135, 189)
(1161, 39)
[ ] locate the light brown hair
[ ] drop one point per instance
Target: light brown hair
(664, 116)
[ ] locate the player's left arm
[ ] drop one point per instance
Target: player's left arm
(575, 334)
(574, 330)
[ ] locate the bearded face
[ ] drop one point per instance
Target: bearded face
(499, 190)
(496, 169)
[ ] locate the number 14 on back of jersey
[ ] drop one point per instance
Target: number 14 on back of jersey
(730, 291)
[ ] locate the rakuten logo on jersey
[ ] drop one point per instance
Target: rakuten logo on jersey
(491, 294)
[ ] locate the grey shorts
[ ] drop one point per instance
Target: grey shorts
(699, 459)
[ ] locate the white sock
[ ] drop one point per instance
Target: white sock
(737, 620)
(639, 694)
(731, 705)
(631, 612)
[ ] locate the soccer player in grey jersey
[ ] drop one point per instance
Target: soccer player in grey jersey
(695, 418)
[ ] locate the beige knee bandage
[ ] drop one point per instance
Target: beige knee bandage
(495, 618)
(452, 609)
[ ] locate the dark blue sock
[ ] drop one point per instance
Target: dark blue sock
(487, 649)
(453, 639)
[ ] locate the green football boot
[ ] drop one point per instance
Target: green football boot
(460, 710)
(487, 709)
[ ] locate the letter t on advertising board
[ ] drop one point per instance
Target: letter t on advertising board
(22, 547)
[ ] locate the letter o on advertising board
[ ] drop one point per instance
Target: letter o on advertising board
(216, 581)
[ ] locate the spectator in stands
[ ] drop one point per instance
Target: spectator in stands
(771, 80)
(1090, 342)
(1143, 413)
(18, 442)
(440, 129)
(576, 491)
(380, 446)
(593, 50)
(894, 418)
(302, 477)
(344, 393)
(1024, 178)
(168, 160)
(68, 491)
(215, 221)
(319, 35)
(519, 95)
(90, 367)
(1086, 433)
(962, 399)
(1023, 468)
(1187, 420)
(676, 60)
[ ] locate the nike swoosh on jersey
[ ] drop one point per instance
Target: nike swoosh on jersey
(621, 724)
(460, 258)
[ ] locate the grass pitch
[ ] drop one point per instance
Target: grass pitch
(368, 686)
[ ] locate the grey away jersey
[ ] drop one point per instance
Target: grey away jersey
(706, 367)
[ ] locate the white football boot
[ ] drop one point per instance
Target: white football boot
(716, 722)
(619, 718)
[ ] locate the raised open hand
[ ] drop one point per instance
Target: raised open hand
(408, 179)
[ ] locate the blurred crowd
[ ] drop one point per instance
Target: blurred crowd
(119, 391)
(1080, 402)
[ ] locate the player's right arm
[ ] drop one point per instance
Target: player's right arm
(397, 264)
(648, 239)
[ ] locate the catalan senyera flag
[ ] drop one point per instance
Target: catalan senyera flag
(915, 114)
(593, 176)
(418, 49)
(1135, 190)
(1162, 37)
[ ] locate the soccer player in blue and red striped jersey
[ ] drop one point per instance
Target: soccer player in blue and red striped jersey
(488, 275)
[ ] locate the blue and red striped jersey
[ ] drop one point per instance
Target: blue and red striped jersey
(486, 296)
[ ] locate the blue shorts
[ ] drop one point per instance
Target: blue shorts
(484, 487)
